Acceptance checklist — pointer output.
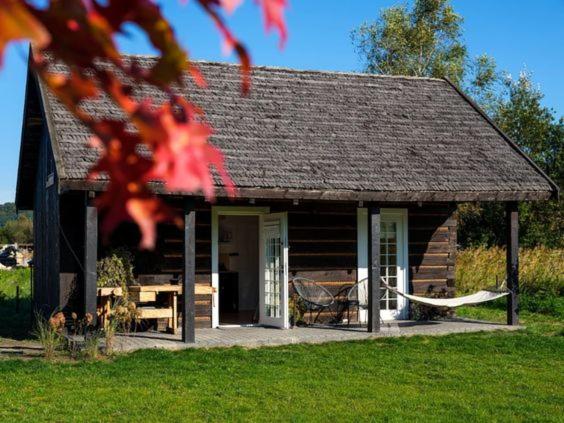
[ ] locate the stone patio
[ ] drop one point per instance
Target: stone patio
(256, 336)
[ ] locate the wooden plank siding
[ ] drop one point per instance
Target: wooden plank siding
(322, 238)
(170, 244)
(432, 248)
(323, 246)
(46, 295)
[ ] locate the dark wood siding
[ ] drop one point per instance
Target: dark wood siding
(432, 248)
(323, 247)
(46, 290)
(322, 239)
(170, 244)
(71, 209)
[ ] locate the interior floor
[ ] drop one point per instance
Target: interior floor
(243, 317)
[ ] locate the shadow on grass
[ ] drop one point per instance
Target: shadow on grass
(15, 324)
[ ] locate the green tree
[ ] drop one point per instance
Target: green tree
(426, 40)
(422, 41)
(517, 109)
(534, 127)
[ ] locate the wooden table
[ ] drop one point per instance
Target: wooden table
(148, 294)
(104, 309)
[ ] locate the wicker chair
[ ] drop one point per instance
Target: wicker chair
(315, 297)
(358, 297)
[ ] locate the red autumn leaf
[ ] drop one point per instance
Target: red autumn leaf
(147, 212)
(230, 5)
(229, 41)
(175, 139)
(184, 161)
(273, 11)
(17, 23)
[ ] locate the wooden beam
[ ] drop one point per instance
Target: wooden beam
(374, 269)
(512, 222)
(340, 195)
(90, 255)
(189, 279)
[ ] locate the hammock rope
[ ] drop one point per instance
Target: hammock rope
(476, 298)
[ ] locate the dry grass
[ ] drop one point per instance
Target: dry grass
(541, 270)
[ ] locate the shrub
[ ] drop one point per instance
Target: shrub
(115, 270)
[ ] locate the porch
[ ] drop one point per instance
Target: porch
(258, 336)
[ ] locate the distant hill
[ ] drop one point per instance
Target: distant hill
(8, 212)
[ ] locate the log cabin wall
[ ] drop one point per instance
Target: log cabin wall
(71, 231)
(432, 248)
(322, 238)
(170, 243)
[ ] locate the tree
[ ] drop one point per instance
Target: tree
(423, 41)
(534, 127)
(518, 111)
(426, 41)
(81, 34)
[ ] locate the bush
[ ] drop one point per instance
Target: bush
(115, 270)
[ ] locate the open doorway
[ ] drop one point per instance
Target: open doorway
(238, 268)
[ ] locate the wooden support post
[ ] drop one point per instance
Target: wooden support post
(512, 222)
(189, 277)
(374, 269)
(90, 255)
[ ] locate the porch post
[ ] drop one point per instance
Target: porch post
(90, 255)
(188, 281)
(512, 223)
(374, 269)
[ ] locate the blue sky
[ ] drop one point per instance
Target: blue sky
(517, 33)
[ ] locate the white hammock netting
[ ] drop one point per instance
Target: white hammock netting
(476, 298)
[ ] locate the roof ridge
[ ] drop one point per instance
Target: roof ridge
(294, 70)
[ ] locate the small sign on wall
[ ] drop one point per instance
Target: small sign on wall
(50, 180)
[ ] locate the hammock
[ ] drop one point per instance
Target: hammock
(476, 298)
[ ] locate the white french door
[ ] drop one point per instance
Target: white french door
(393, 264)
(273, 292)
(393, 259)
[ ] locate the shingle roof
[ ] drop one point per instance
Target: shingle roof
(330, 135)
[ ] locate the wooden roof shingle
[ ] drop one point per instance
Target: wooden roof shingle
(310, 134)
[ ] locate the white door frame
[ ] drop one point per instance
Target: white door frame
(283, 321)
(403, 256)
(215, 213)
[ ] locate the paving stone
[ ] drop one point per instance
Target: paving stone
(252, 337)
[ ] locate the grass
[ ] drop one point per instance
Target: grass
(12, 324)
(499, 376)
(541, 270)
(513, 376)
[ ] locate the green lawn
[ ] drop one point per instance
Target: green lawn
(13, 324)
(503, 376)
(488, 376)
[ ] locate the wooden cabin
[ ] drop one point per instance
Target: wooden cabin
(341, 177)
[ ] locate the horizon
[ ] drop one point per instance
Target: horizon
(494, 29)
